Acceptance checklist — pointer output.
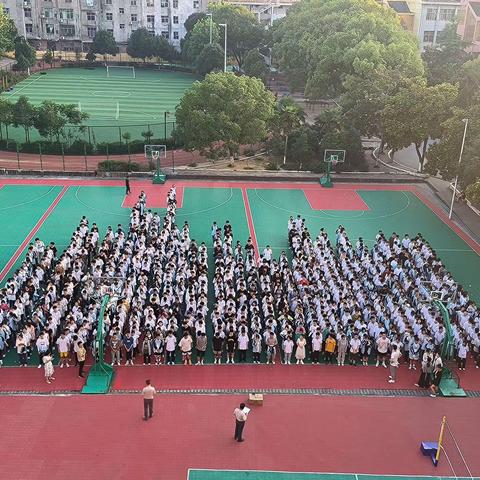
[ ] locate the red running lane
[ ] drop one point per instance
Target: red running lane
(251, 226)
(29, 237)
(92, 436)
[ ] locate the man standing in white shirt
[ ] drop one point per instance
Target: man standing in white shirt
(382, 349)
(394, 357)
(240, 419)
(148, 393)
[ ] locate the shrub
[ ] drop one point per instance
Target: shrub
(473, 193)
(272, 166)
(118, 166)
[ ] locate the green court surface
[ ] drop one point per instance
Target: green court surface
(260, 475)
(142, 101)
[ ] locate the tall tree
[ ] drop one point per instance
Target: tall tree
(223, 112)
(199, 37)
(6, 114)
(51, 119)
(104, 44)
(25, 54)
(8, 32)
(415, 114)
(255, 66)
(210, 59)
(244, 32)
(322, 42)
(24, 115)
(443, 62)
(443, 155)
(141, 44)
(288, 117)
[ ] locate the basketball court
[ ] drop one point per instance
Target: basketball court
(349, 421)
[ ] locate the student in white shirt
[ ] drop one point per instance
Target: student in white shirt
(287, 346)
(394, 363)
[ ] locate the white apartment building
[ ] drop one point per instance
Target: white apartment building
(431, 17)
(71, 24)
(267, 11)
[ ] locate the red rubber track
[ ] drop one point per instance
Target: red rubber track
(229, 377)
(101, 437)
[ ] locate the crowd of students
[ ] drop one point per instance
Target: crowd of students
(338, 303)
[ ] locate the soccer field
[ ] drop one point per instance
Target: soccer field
(119, 100)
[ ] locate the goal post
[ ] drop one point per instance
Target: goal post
(121, 67)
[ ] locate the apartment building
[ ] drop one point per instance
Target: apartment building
(70, 25)
(469, 25)
(267, 11)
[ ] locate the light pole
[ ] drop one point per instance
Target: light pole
(211, 26)
(464, 120)
(225, 48)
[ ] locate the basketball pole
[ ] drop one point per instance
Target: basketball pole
(440, 439)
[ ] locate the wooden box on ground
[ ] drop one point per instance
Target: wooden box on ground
(255, 398)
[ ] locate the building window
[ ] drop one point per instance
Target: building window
(29, 28)
(27, 12)
(175, 3)
(6, 10)
(122, 26)
(110, 30)
(165, 34)
(447, 14)
(164, 3)
(175, 19)
(108, 2)
(175, 35)
(150, 3)
(133, 17)
(133, 3)
(91, 31)
(49, 29)
(150, 18)
(428, 36)
(195, 3)
(68, 1)
(121, 11)
(431, 13)
(67, 30)
(66, 14)
(109, 16)
(47, 13)
(164, 18)
(90, 16)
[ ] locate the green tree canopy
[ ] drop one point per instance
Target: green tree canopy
(289, 116)
(415, 114)
(104, 43)
(24, 115)
(223, 112)
(199, 37)
(141, 44)
(8, 32)
(322, 42)
(443, 62)
(25, 54)
(255, 66)
(51, 119)
(443, 155)
(210, 59)
(192, 20)
(244, 32)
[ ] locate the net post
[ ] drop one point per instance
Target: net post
(440, 439)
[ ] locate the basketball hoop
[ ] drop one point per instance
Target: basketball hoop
(155, 155)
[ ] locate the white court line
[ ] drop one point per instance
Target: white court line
(376, 475)
(25, 86)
